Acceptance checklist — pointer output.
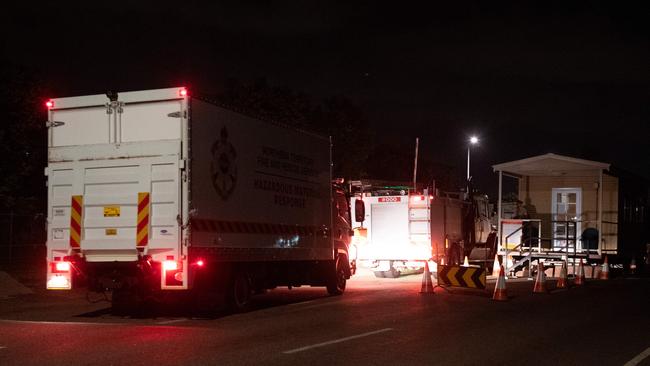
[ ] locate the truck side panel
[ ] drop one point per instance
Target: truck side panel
(259, 191)
(446, 223)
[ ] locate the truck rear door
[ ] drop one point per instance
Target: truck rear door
(115, 189)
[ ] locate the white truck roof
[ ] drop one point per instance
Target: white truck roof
(126, 97)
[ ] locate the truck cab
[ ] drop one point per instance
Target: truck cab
(342, 225)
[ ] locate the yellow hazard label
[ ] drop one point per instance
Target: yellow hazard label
(111, 231)
(111, 211)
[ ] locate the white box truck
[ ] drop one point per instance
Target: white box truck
(156, 191)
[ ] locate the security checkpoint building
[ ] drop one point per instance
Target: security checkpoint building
(570, 208)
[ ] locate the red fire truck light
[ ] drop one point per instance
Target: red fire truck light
(182, 92)
(49, 104)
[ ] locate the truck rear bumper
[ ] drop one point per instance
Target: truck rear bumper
(103, 276)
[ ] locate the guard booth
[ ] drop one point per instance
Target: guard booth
(564, 208)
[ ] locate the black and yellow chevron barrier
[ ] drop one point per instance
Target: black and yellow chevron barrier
(459, 276)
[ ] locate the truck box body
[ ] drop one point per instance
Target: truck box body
(260, 191)
(159, 176)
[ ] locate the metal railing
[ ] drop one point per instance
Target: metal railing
(525, 240)
(529, 251)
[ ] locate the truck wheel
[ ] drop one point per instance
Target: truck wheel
(392, 273)
(337, 284)
(240, 292)
(379, 274)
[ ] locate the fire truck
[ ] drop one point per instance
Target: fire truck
(398, 228)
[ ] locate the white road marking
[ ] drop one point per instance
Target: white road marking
(320, 305)
(302, 303)
(172, 321)
(640, 357)
(83, 323)
(296, 350)
(50, 322)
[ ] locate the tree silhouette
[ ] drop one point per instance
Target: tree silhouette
(394, 162)
(336, 116)
(23, 144)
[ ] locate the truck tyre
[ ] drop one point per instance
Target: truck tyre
(379, 274)
(392, 273)
(240, 292)
(336, 285)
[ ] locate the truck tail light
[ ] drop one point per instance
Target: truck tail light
(182, 92)
(170, 265)
(60, 267)
(63, 266)
(417, 198)
(172, 273)
(59, 276)
(59, 282)
(49, 104)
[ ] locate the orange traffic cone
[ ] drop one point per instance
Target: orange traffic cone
(540, 280)
(500, 293)
(427, 284)
(466, 262)
(604, 273)
(562, 280)
(497, 266)
(580, 276)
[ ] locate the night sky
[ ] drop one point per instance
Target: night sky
(571, 78)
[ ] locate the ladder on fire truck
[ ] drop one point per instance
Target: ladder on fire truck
(419, 220)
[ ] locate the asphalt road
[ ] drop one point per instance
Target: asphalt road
(376, 322)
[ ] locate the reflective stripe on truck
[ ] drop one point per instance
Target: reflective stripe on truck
(76, 211)
(240, 227)
(142, 236)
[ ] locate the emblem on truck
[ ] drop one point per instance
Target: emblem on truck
(223, 169)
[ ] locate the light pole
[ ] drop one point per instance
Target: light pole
(473, 140)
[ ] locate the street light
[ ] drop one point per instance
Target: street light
(473, 140)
